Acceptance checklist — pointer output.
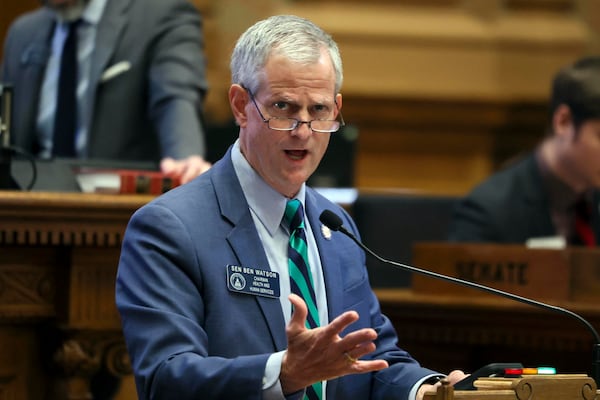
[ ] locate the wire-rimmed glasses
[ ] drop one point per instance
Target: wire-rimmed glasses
(289, 124)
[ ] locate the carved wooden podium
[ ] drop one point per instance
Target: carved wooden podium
(533, 387)
(58, 323)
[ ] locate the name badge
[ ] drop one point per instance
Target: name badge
(257, 282)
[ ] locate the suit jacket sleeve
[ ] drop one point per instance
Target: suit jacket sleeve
(177, 82)
(169, 325)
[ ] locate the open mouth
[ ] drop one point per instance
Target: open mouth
(296, 154)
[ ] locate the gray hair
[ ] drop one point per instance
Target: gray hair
(296, 38)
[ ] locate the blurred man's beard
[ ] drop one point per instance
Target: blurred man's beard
(69, 12)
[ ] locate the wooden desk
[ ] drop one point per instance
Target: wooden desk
(450, 332)
(527, 387)
(59, 326)
(58, 321)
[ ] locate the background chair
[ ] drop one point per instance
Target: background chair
(390, 224)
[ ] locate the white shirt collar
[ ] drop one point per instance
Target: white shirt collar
(93, 12)
(266, 203)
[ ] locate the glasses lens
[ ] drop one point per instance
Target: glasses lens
(321, 125)
(317, 125)
(282, 124)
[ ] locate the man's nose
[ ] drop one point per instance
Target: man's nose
(303, 129)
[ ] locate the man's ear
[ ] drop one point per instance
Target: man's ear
(238, 99)
(562, 122)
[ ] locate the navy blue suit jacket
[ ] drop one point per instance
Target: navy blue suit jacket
(189, 337)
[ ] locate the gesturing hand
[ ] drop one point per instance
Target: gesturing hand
(185, 169)
(320, 354)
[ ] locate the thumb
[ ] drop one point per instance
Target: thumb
(299, 314)
(167, 165)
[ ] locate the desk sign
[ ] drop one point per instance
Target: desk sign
(534, 273)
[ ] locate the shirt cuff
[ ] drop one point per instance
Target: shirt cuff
(412, 395)
(271, 385)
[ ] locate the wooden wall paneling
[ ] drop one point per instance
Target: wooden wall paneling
(442, 147)
(447, 52)
(92, 273)
(418, 78)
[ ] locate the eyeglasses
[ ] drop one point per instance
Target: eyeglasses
(289, 124)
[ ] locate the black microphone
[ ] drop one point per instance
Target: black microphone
(7, 151)
(335, 223)
(5, 123)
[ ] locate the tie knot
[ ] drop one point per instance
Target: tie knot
(294, 214)
(72, 26)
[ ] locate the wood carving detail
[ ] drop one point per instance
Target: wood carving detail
(78, 358)
(25, 285)
(84, 236)
(117, 359)
(83, 356)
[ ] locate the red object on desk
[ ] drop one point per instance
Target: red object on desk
(146, 182)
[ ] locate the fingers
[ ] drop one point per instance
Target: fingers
(185, 169)
(452, 377)
(297, 322)
(167, 165)
(334, 328)
(455, 376)
(356, 344)
(321, 353)
(192, 167)
(349, 358)
(425, 389)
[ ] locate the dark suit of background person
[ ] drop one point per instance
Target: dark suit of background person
(190, 335)
(146, 111)
(534, 197)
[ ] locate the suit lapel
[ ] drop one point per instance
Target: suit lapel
(330, 263)
(113, 21)
(245, 242)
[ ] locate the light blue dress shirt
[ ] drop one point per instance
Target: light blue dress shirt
(267, 207)
(47, 104)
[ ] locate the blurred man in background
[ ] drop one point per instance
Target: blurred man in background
(553, 192)
(117, 80)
